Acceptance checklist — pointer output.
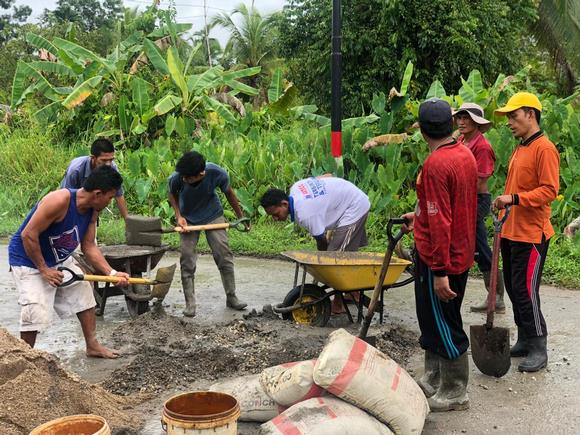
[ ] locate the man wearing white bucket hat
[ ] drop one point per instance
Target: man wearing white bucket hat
(471, 124)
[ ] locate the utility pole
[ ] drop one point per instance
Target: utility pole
(336, 77)
(206, 32)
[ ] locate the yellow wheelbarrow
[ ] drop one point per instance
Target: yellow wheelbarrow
(337, 273)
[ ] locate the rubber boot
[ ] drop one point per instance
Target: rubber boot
(229, 282)
(430, 380)
(537, 357)
(521, 347)
(452, 392)
(189, 293)
(499, 302)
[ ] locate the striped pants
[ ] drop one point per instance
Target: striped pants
(522, 270)
(440, 322)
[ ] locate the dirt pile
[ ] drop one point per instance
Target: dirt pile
(172, 353)
(35, 388)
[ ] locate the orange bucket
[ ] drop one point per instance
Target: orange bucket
(74, 425)
(201, 412)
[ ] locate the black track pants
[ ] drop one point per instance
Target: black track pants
(522, 270)
(440, 322)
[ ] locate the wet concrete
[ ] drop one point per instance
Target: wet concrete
(545, 402)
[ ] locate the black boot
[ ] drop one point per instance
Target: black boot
(537, 356)
(521, 347)
(452, 392)
(430, 380)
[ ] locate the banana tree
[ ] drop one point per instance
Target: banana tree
(86, 73)
(193, 95)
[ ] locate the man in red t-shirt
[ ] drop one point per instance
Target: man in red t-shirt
(444, 227)
(471, 124)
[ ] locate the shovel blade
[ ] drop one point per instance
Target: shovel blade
(143, 230)
(164, 279)
(490, 349)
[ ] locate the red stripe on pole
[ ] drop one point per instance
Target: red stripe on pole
(336, 143)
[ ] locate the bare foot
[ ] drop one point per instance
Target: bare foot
(100, 351)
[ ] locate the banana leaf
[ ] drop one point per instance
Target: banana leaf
(176, 71)
(52, 68)
(155, 57)
(220, 109)
(20, 88)
(240, 73)
(275, 90)
(47, 114)
(140, 90)
(40, 42)
(82, 92)
(166, 104)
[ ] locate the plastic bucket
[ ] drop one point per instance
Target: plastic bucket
(201, 412)
(74, 425)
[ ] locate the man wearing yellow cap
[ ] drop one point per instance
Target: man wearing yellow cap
(531, 185)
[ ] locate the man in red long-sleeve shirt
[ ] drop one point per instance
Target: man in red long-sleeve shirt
(444, 227)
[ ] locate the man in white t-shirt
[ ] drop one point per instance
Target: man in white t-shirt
(322, 204)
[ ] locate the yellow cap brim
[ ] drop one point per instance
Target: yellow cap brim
(506, 109)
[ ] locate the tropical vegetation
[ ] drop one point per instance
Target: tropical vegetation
(158, 88)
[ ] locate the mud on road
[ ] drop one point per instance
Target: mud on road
(165, 354)
(172, 353)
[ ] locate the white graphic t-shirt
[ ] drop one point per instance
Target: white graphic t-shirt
(321, 204)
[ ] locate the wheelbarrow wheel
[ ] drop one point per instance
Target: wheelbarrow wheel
(315, 315)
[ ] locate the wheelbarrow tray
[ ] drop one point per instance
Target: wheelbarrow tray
(136, 255)
(348, 271)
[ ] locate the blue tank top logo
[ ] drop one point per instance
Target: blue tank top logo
(58, 241)
(63, 244)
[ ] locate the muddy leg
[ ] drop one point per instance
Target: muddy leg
(95, 349)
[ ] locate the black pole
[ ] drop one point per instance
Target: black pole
(336, 76)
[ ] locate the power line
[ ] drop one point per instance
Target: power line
(176, 4)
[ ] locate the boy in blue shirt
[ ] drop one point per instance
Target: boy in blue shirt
(192, 194)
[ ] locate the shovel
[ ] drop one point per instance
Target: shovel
(142, 230)
(161, 284)
(490, 346)
(392, 242)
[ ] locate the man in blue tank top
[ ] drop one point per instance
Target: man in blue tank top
(54, 228)
(192, 194)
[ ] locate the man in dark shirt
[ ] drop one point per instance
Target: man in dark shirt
(444, 228)
(192, 194)
(79, 169)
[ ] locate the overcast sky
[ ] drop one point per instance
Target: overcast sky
(188, 11)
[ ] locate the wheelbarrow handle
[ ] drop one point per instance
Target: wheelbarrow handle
(393, 240)
(99, 278)
(240, 224)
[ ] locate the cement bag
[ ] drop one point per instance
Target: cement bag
(358, 373)
(324, 416)
(290, 383)
(255, 404)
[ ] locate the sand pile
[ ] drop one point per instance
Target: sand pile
(35, 388)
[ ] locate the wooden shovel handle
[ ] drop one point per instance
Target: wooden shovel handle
(188, 228)
(115, 279)
(240, 225)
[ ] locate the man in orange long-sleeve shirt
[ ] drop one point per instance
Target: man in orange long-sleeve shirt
(532, 184)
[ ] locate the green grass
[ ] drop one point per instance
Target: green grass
(32, 165)
(268, 239)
